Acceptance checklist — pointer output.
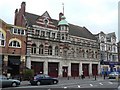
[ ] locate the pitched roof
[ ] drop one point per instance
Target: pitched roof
(73, 29)
(111, 34)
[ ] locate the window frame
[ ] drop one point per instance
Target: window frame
(14, 44)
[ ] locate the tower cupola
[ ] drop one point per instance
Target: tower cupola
(63, 22)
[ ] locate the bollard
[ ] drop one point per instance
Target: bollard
(95, 77)
(104, 76)
(74, 77)
(68, 77)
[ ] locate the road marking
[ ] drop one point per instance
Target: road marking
(100, 83)
(65, 87)
(91, 85)
(110, 82)
(78, 86)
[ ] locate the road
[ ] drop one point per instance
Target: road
(73, 84)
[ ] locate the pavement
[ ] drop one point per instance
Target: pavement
(74, 79)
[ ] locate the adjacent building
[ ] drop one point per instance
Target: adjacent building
(108, 52)
(119, 51)
(12, 49)
(56, 47)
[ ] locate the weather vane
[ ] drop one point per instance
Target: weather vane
(63, 7)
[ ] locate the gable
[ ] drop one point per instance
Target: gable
(74, 30)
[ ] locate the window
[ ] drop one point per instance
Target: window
(42, 33)
(18, 31)
(22, 32)
(53, 35)
(114, 49)
(62, 28)
(56, 50)
(58, 35)
(33, 50)
(37, 32)
(87, 54)
(50, 50)
(48, 34)
(41, 49)
(2, 39)
(103, 48)
(62, 37)
(92, 54)
(15, 30)
(14, 44)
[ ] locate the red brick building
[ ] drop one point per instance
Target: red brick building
(12, 48)
(56, 47)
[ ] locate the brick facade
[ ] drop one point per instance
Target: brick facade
(7, 50)
(56, 47)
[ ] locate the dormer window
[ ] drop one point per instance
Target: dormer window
(18, 31)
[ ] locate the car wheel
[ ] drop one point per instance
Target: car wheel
(38, 83)
(14, 84)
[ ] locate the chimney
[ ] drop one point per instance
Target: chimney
(60, 15)
(15, 18)
(19, 20)
(23, 5)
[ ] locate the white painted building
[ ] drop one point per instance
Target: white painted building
(108, 51)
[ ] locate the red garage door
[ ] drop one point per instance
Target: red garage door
(95, 69)
(53, 69)
(37, 67)
(85, 68)
(74, 69)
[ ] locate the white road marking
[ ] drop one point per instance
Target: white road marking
(110, 82)
(78, 86)
(100, 83)
(65, 87)
(91, 85)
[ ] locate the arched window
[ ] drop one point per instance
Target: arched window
(83, 53)
(50, 50)
(41, 50)
(33, 50)
(92, 53)
(87, 54)
(2, 39)
(56, 50)
(96, 54)
(14, 43)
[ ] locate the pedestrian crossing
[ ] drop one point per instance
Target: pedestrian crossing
(89, 85)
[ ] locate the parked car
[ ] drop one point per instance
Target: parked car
(43, 79)
(119, 87)
(113, 75)
(7, 82)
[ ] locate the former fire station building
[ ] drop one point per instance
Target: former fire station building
(56, 47)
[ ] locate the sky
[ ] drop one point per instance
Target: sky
(95, 15)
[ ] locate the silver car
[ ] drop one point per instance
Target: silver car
(6, 82)
(113, 75)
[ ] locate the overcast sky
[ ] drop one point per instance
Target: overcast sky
(96, 15)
